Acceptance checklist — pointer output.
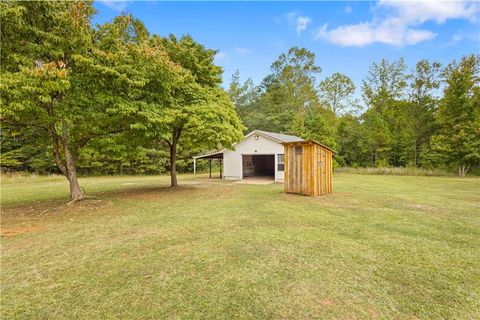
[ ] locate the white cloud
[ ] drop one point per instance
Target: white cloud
(348, 9)
(242, 51)
(438, 11)
(117, 5)
(221, 56)
(400, 25)
(302, 23)
(294, 18)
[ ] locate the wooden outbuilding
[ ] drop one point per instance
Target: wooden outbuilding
(308, 168)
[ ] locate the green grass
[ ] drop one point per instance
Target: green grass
(380, 247)
(397, 171)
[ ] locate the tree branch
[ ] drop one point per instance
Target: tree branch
(56, 150)
(168, 142)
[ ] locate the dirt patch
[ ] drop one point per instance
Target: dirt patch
(213, 191)
(10, 232)
(255, 181)
(36, 210)
(326, 302)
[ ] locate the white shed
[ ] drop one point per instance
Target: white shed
(259, 154)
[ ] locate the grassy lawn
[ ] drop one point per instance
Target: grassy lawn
(379, 247)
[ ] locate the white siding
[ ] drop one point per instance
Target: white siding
(232, 159)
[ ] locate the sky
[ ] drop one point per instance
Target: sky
(346, 36)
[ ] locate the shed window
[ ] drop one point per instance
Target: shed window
(298, 151)
(280, 162)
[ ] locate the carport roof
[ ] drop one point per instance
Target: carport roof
(211, 155)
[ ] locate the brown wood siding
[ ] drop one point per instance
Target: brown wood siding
(308, 173)
(286, 175)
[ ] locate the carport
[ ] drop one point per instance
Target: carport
(216, 155)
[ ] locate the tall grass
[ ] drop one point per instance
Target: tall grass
(27, 177)
(396, 171)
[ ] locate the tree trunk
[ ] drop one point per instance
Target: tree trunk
(70, 166)
(463, 170)
(173, 154)
(417, 151)
(76, 192)
(173, 164)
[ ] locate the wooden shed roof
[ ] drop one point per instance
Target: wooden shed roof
(291, 143)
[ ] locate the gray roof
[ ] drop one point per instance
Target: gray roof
(280, 136)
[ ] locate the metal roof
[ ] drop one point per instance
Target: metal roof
(211, 155)
(280, 137)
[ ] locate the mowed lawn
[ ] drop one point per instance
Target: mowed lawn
(380, 247)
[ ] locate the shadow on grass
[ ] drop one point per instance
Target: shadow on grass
(99, 199)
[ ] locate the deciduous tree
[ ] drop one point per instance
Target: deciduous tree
(336, 93)
(423, 104)
(457, 142)
(196, 112)
(57, 78)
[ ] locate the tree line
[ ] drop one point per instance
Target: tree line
(115, 99)
(425, 117)
(85, 94)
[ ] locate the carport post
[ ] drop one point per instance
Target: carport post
(220, 162)
(194, 168)
(210, 165)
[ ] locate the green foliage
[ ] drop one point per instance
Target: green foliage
(25, 149)
(286, 100)
(115, 99)
(319, 125)
(336, 92)
(422, 105)
(194, 112)
(106, 97)
(352, 143)
(384, 83)
(75, 83)
(243, 97)
(402, 112)
(457, 141)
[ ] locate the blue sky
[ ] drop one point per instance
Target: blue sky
(345, 36)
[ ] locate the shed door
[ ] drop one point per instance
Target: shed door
(323, 173)
(297, 173)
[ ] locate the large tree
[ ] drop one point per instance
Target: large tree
(386, 82)
(378, 135)
(57, 78)
(288, 92)
(382, 90)
(352, 142)
(243, 97)
(457, 141)
(196, 112)
(423, 85)
(336, 93)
